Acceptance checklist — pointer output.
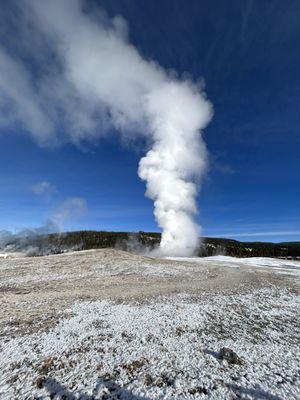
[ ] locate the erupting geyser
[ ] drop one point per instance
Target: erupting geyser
(98, 79)
(175, 163)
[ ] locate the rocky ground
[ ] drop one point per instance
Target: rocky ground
(106, 324)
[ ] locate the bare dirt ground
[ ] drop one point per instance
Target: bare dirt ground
(32, 288)
(187, 306)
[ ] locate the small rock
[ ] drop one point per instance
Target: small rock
(99, 367)
(229, 355)
(148, 380)
(179, 331)
(40, 382)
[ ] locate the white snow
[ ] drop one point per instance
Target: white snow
(160, 350)
(11, 255)
(277, 265)
(163, 347)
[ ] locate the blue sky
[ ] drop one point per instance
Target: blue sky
(248, 55)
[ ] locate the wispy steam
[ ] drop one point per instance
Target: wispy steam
(24, 240)
(176, 161)
(33, 240)
(71, 208)
(90, 78)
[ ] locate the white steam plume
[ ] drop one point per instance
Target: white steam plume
(97, 78)
(176, 161)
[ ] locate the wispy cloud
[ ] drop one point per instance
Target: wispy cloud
(258, 234)
(224, 168)
(221, 165)
(118, 211)
(44, 189)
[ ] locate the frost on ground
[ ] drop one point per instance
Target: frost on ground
(152, 347)
(288, 267)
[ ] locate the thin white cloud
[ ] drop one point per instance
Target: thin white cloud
(262, 233)
(43, 188)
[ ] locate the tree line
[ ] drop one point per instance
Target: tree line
(85, 240)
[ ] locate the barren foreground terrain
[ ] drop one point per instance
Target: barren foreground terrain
(106, 324)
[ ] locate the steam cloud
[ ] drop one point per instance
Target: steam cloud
(30, 241)
(90, 78)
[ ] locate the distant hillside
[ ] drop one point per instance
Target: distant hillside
(84, 240)
(235, 248)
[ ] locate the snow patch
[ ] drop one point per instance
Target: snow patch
(277, 265)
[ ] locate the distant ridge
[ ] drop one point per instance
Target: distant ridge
(83, 240)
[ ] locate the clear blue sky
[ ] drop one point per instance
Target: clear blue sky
(248, 54)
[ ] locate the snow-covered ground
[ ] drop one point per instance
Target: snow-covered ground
(275, 264)
(130, 331)
(11, 255)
